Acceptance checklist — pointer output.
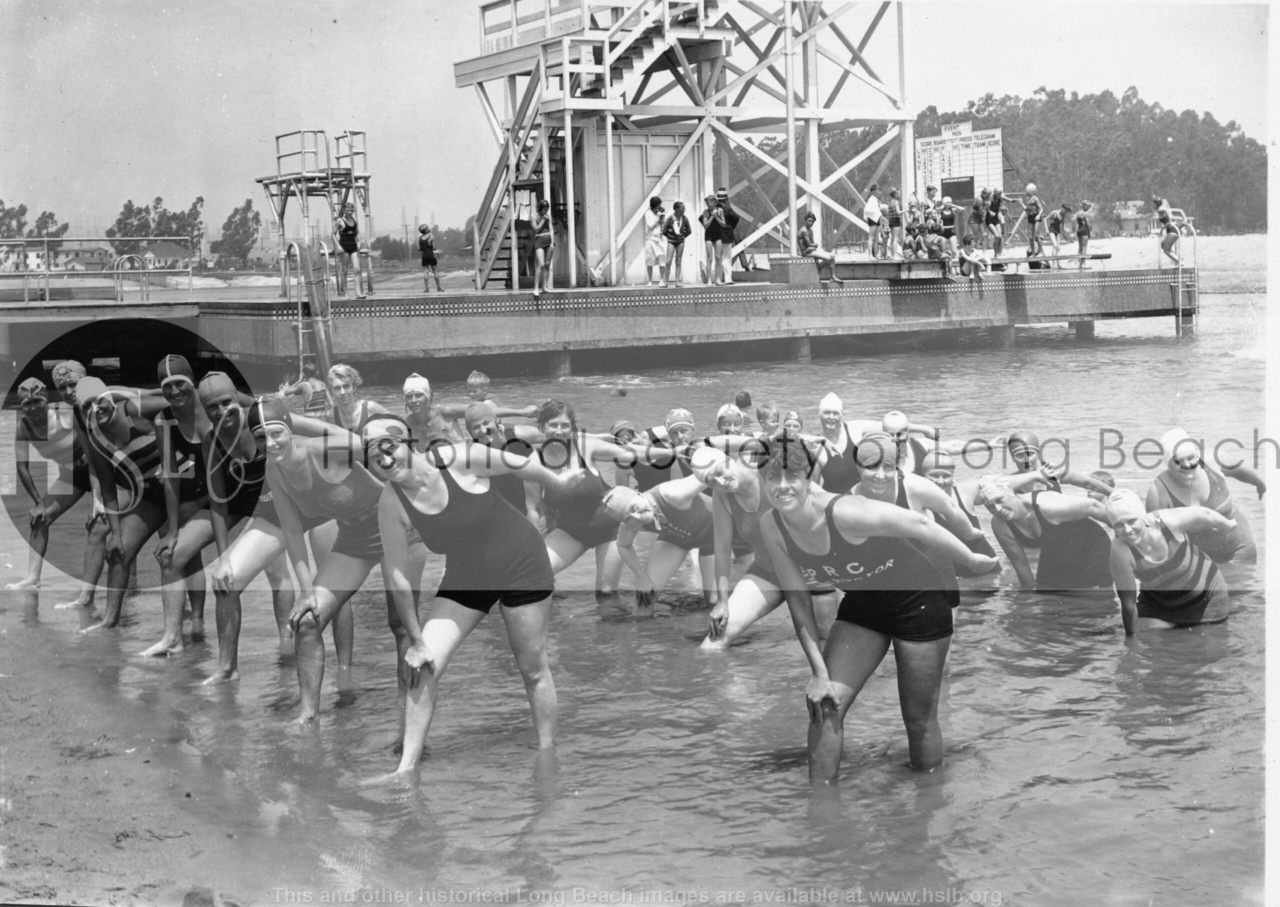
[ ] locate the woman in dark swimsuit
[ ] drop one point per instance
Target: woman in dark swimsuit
(679, 514)
(1074, 550)
(544, 247)
(940, 469)
(863, 548)
(581, 520)
(346, 234)
(349, 411)
(1168, 229)
(492, 555)
(882, 481)
(1188, 481)
(181, 428)
(314, 479)
(1180, 585)
(1083, 232)
(994, 220)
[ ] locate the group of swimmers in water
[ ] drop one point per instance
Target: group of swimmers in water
(859, 525)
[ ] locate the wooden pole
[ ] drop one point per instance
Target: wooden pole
(793, 222)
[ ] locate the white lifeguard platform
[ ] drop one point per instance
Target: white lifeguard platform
(598, 106)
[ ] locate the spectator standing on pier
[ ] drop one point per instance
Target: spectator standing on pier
(809, 248)
(931, 199)
(427, 247)
(978, 218)
(544, 247)
(947, 215)
(995, 220)
(654, 252)
(871, 213)
(893, 213)
(713, 226)
(346, 236)
(1167, 227)
(1083, 231)
(1054, 223)
(676, 229)
(1033, 208)
(728, 234)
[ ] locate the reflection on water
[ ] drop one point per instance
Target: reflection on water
(1080, 768)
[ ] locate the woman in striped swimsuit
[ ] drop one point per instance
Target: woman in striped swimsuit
(1181, 586)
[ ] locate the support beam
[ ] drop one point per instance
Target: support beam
(1083, 329)
(800, 350)
(1005, 336)
(570, 197)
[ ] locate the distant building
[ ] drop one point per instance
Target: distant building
(1131, 218)
(166, 255)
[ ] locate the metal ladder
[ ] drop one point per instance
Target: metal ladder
(314, 324)
(1186, 286)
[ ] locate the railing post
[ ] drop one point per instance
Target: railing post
(514, 25)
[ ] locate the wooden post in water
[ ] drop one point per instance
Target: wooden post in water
(1083, 329)
(1005, 336)
(800, 350)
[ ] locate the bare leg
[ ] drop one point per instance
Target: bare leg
(192, 538)
(136, 527)
(282, 599)
(920, 666)
(664, 560)
(95, 559)
(339, 576)
(196, 595)
(563, 549)
(259, 545)
(751, 599)
(527, 632)
(448, 624)
(852, 654)
(608, 568)
(55, 505)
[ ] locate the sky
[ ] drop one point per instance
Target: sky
(107, 100)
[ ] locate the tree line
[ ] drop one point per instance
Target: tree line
(1097, 147)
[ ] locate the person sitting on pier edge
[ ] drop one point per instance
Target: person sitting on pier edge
(676, 229)
(972, 263)
(427, 247)
(655, 254)
(1083, 231)
(1033, 208)
(1167, 227)
(346, 236)
(713, 226)
(1054, 224)
(936, 248)
(810, 249)
(893, 213)
(871, 213)
(544, 247)
(914, 247)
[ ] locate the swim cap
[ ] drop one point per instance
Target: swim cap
(32, 389)
(174, 366)
(1021, 438)
(937, 459)
(477, 412)
(620, 426)
(385, 425)
(1031, 187)
(68, 372)
(417, 383)
(946, 199)
(705, 459)
(617, 503)
(991, 487)
(678, 418)
(728, 409)
(743, 400)
(89, 389)
(894, 422)
(1125, 505)
(875, 448)
(830, 402)
(265, 411)
(1171, 440)
(215, 384)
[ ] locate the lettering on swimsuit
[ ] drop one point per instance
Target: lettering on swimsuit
(852, 570)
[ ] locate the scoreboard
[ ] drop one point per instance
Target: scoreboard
(958, 156)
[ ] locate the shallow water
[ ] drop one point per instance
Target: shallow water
(1080, 768)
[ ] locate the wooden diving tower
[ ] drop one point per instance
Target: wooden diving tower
(598, 105)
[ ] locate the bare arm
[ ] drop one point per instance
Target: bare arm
(936, 500)
(859, 517)
(627, 551)
(799, 602)
(1015, 552)
(393, 525)
(1193, 519)
(680, 493)
(1126, 586)
(1081, 480)
(22, 460)
(1061, 508)
(1247, 475)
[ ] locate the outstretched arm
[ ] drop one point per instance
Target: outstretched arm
(1061, 508)
(1247, 475)
(859, 517)
(1194, 519)
(800, 604)
(1015, 552)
